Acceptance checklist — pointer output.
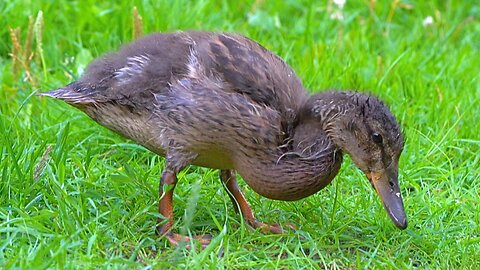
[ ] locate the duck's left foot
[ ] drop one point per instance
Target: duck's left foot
(177, 239)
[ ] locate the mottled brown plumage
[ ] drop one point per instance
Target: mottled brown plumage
(223, 101)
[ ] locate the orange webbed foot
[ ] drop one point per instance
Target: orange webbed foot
(176, 239)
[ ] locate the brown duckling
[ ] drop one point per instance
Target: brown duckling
(223, 101)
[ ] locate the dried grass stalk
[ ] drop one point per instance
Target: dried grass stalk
(27, 54)
(16, 51)
(40, 167)
(38, 31)
(137, 24)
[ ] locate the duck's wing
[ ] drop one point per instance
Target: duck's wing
(248, 68)
(245, 67)
(134, 74)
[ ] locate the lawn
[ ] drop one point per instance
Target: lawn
(75, 195)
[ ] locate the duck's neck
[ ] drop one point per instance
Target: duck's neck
(334, 111)
(314, 156)
(309, 164)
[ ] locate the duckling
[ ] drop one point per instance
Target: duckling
(222, 101)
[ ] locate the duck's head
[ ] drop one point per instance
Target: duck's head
(364, 127)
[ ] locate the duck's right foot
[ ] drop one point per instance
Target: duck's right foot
(241, 205)
(269, 228)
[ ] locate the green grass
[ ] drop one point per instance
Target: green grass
(94, 205)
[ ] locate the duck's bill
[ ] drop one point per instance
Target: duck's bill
(386, 185)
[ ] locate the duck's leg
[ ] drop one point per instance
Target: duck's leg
(165, 205)
(241, 204)
(165, 208)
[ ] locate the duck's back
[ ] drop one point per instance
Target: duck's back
(153, 63)
(247, 68)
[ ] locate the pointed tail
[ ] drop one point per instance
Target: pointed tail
(70, 95)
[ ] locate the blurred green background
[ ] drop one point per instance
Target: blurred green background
(75, 195)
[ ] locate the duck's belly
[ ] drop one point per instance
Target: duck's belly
(138, 127)
(134, 126)
(215, 159)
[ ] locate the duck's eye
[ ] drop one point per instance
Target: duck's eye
(377, 138)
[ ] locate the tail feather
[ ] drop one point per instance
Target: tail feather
(70, 95)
